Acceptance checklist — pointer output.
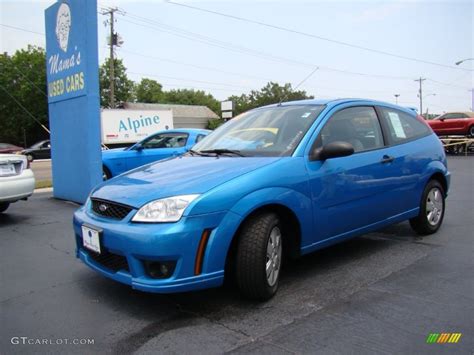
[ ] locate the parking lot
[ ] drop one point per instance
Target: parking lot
(380, 293)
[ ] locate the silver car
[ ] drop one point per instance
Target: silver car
(17, 181)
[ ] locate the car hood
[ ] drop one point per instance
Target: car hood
(112, 152)
(176, 176)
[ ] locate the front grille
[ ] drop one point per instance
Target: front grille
(110, 209)
(110, 261)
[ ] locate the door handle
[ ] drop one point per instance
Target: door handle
(387, 159)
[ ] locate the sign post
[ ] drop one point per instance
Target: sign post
(73, 97)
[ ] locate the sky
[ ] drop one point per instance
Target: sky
(185, 48)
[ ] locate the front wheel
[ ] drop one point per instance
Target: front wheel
(259, 257)
(30, 157)
(432, 209)
(106, 175)
(4, 206)
(471, 131)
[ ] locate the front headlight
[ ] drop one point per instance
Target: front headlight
(168, 209)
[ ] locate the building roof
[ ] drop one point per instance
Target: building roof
(190, 111)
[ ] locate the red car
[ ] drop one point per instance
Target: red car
(453, 123)
(7, 148)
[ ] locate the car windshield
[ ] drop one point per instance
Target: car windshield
(273, 131)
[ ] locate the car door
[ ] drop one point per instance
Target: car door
(454, 123)
(355, 191)
(160, 146)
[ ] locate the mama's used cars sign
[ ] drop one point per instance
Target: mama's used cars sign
(130, 126)
(73, 97)
(65, 43)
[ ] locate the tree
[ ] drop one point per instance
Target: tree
(192, 97)
(123, 88)
(149, 91)
(271, 93)
(23, 78)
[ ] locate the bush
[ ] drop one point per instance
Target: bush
(213, 124)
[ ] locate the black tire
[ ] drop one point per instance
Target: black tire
(471, 131)
(4, 206)
(30, 157)
(422, 224)
(251, 261)
(106, 174)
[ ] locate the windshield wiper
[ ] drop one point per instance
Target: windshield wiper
(194, 152)
(223, 151)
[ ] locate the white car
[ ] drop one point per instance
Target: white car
(17, 181)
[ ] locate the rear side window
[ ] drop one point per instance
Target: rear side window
(402, 126)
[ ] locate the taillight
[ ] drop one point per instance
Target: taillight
(27, 163)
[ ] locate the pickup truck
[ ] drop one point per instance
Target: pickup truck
(453, 123)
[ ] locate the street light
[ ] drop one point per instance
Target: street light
(472, 90)
(396, 98)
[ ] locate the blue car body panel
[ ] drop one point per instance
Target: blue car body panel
(120, 160)
(332, 200)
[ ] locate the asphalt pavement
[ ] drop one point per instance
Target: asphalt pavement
(42, 169)
(380, 293)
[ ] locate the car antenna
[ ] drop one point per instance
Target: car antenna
(299, 84)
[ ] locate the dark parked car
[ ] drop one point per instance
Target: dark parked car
(40, 150)
(7, 148)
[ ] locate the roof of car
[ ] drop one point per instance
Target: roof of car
(185, 130)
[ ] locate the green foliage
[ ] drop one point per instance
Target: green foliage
(123, 88)
(23, 75)
(149, 91)
(192, 97)
(271, 93)
(213, 124)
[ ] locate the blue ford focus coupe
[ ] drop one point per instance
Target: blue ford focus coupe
(160, 145)
(281, 180)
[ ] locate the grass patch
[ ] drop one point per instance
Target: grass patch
(43, 184)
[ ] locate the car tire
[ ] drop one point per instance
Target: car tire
(432, 208)
(259, 256)
(106, 175)
(4, 206)
(30, 157)
(471, 131)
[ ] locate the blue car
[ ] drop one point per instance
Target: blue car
(310, 174)
(161, 145)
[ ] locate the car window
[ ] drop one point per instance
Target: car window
(454, 116)
(200, 137)
(358, 126)
(166, 140)
(402, 126)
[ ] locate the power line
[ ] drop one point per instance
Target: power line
(311, 35)
(22, 29)
(193, 36)
(25, 109)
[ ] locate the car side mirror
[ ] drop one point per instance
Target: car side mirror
(442, 119)
(332, 150)
(138, 147)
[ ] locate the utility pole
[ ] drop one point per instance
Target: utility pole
(396, 98)
(112, 42)
(420, 93)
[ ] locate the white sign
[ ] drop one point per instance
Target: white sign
(227, 106)
(131, 126)
(397, 125)
(227, 114)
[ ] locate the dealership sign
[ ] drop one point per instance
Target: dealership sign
(73, 97)
(65, 42)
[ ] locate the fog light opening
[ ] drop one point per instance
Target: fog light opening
(160, 269)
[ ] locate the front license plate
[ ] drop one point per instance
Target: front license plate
(91, 239)
(7, 169)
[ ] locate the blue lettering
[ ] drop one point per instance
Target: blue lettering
(136, 125)
(122, 126)
(156, 119)
(129, 123)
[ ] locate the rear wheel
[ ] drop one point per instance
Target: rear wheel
(259, 256)
(471, 131)
(4, 206)
(432, 209)
(106, 175)
(30, 157)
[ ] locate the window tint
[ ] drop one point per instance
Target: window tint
(454, 115)
(402, 126)
(200, 137)
(358, 126)
(166, 140)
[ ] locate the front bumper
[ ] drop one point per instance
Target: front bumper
(17, 187)
(160, 242)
